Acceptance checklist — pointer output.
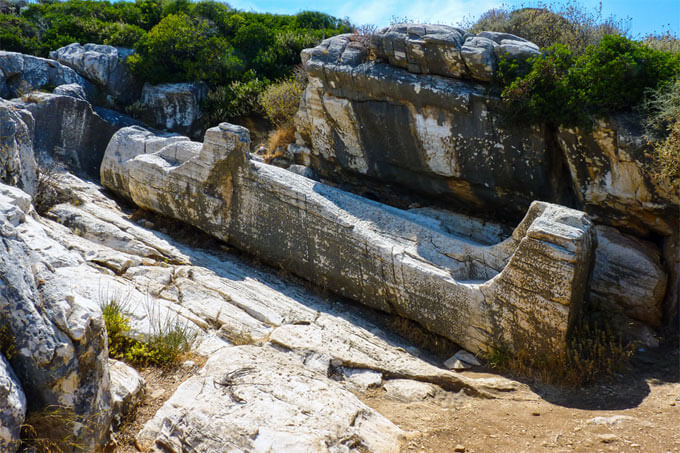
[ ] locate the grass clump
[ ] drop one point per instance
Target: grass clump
(164, 347)
(55, 429)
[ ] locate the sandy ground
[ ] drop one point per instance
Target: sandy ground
(636, 412)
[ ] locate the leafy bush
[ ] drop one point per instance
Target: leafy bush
(18, 34)
(237, 100)
(182, 48)
(568, 24)
(560, 88)
(281, 101)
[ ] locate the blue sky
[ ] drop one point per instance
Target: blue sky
(647, 16)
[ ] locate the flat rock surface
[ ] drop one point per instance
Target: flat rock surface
(251, 398)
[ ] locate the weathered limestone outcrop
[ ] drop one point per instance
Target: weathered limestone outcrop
(436, 135)
(249, 398)
(12, 407)
(127, 390)
(174, 106)
(524, 290)
(18, 167)
(446, 51)
(60, 342)
(612, 176)
(66, 129)
(21, 73)
(628, 276)
(103, 65)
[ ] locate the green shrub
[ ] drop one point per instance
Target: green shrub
(236, 100)
(281, 101)
(560, 88)
(18, 34)
(182, 48)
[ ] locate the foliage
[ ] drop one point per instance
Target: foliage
(176, 40)
(567, 23)
(18, 34)
(164, 347)
(663, 128)
(612, 76)
(666, 42)
(280, 101)
(237, 100)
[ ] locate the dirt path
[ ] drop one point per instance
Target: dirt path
(638, 412)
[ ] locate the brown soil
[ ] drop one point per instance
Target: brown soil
(542, 418)
(161, 383)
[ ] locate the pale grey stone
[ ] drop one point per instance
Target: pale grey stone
(127, 389)
(21, 73)
(467, 357)
(409, 391)
(174, 106)
(104, 65)
(258, 399)
(71, 89)
(12, 407)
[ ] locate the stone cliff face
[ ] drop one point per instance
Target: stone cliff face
(435, 135)
(408, 107)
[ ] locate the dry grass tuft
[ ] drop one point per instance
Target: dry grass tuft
(278, 141)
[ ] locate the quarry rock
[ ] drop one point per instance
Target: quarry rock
(60, 356)
(400, 262)
(629, 276)
(19, 74)
(127, 389)
(17, 163)
(252, 398)
(174, 106)
(66, 129)
(71, 89)
(103, 65)
(610, 169)
(12, 407)
(438, 136)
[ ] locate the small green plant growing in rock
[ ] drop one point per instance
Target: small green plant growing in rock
(168, 341)
(7, 341)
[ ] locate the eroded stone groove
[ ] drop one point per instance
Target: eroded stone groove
(527, 288)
